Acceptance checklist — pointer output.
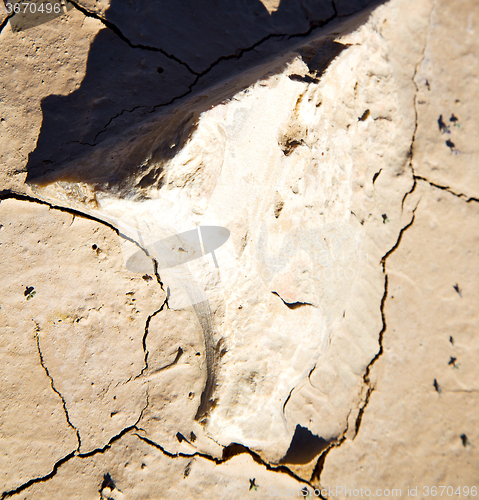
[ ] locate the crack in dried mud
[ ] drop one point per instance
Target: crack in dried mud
(52, 383)
(74, 454)
(367, 382)
(41, 479)
(316, 476)
(145, 335)
(240, 448)
(10, 195)
(119, 435)
(5, 195)
(198, 75)
(119, 33)
(462, 196)
(229, 452)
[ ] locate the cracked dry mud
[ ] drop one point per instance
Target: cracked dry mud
(330, 341)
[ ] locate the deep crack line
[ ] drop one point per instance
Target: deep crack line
(52, 383)
(228, 452)
(318, 468)
(462, 196)
(113, 118)
(237, 56)
(416, 69)
(66, 458)
(313, 26)
(153, 109)
(41, 479)
(74, 454)
(367, 382)
(366, 378)
(145, 335)
(8, 195)
(396, 245)
(116, 437)
(158, 279)
(119, 33)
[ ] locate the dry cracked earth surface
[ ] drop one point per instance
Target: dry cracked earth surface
(240, 250)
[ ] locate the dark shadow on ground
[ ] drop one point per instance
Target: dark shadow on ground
(304, 447)
(140, 98)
